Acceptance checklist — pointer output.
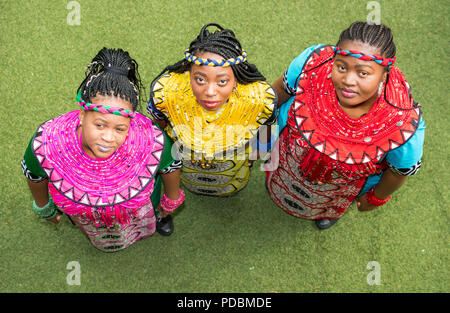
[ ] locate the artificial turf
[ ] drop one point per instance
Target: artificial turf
(243, 243)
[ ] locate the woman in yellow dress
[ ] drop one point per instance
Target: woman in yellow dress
(212, 104)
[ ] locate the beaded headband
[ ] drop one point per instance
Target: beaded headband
(106, 109)
(210, 62)
(366, 57)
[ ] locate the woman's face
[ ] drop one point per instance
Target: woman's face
(103, 134)
(356, 81)
(212, 85)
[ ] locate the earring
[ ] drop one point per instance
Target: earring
(380, 89)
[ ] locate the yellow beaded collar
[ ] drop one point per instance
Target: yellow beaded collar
(212, 135)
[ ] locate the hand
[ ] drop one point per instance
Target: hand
(162, 123)
(47, 208)
(55, 220)
(363, 205)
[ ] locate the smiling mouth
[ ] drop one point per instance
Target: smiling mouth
(210, 104)
(348, 93)
(104, 149)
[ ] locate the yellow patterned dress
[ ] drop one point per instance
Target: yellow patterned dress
(214, 146)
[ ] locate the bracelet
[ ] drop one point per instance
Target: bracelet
(372, 199)
(47, 211)
(169, 205)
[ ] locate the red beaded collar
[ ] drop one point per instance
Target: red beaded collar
(316, 115)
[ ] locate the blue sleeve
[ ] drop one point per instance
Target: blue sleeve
(295, 68)
(405, 157)
(291, 81)
(411, 152)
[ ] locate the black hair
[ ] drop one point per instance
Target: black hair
(112, 72)
(224, 43)
(379, 36)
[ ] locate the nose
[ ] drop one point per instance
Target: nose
(210, 90)
(108, 135)
(349, 79)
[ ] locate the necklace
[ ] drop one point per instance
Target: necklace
(208, 136)
(317, 116)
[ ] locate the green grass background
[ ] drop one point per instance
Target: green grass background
(243, 243)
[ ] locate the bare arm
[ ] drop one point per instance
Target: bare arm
(283, 96)
(162, 123)
(264, 133)
(389, 183)
(39, 191)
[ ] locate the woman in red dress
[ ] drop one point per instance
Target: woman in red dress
(350, 129)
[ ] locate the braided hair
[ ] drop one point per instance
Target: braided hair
(112, 72)
(224, 43)
(379, 36)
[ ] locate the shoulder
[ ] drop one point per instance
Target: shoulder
(35, 153)
(410, 153)
(165, 88)
(144, 126)
(259, 89)
(300, 60)
(261, 95)
(296, 67)
(31, 167)
(166, 83)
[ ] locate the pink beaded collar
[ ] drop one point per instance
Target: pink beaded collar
(102, 190)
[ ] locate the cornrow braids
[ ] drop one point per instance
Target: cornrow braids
(224, 43)
(379, 36)
(112, 72)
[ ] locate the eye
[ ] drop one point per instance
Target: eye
(223, 82)
(200, 80)
(99, 125)
(363, 74)
(339, 67)
(120, 129)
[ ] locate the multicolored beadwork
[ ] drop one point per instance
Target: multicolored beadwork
(170, 205)
(211, 62)
(106, 109)
(372, 199)
(366, 57)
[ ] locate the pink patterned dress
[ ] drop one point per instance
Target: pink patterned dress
(108, 199)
